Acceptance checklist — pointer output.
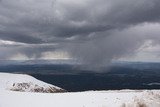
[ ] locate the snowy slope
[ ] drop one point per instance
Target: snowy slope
(81, 99)
(123, 98)
(21, 82)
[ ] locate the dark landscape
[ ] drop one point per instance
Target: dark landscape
(120, 75)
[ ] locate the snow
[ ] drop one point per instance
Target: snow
(22, 82)
(118, 98)
(81, 99)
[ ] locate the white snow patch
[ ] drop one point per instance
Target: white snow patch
(22, 82)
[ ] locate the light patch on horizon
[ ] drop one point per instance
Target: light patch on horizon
(19, 57)
(148, 52)
(141, 57)
(55, 55)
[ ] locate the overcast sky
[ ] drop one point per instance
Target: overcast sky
(93, 31)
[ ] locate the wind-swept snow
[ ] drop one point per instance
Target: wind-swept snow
(123, 98)
(25, 83)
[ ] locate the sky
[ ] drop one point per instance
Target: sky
(95, 32)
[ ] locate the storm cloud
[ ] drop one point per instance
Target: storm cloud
(93, 31)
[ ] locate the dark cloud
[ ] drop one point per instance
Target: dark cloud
(94, 31)
(19, 37)
(47, 19)
(101, 50)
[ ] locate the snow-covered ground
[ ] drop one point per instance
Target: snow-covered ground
(22, 82)
(123, 98)
(81, 99)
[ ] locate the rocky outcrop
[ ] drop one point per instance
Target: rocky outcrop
(31, 87)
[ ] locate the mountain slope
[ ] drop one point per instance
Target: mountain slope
(25, 83)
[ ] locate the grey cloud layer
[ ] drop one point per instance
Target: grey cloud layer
(37, 20)
(97, 30)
